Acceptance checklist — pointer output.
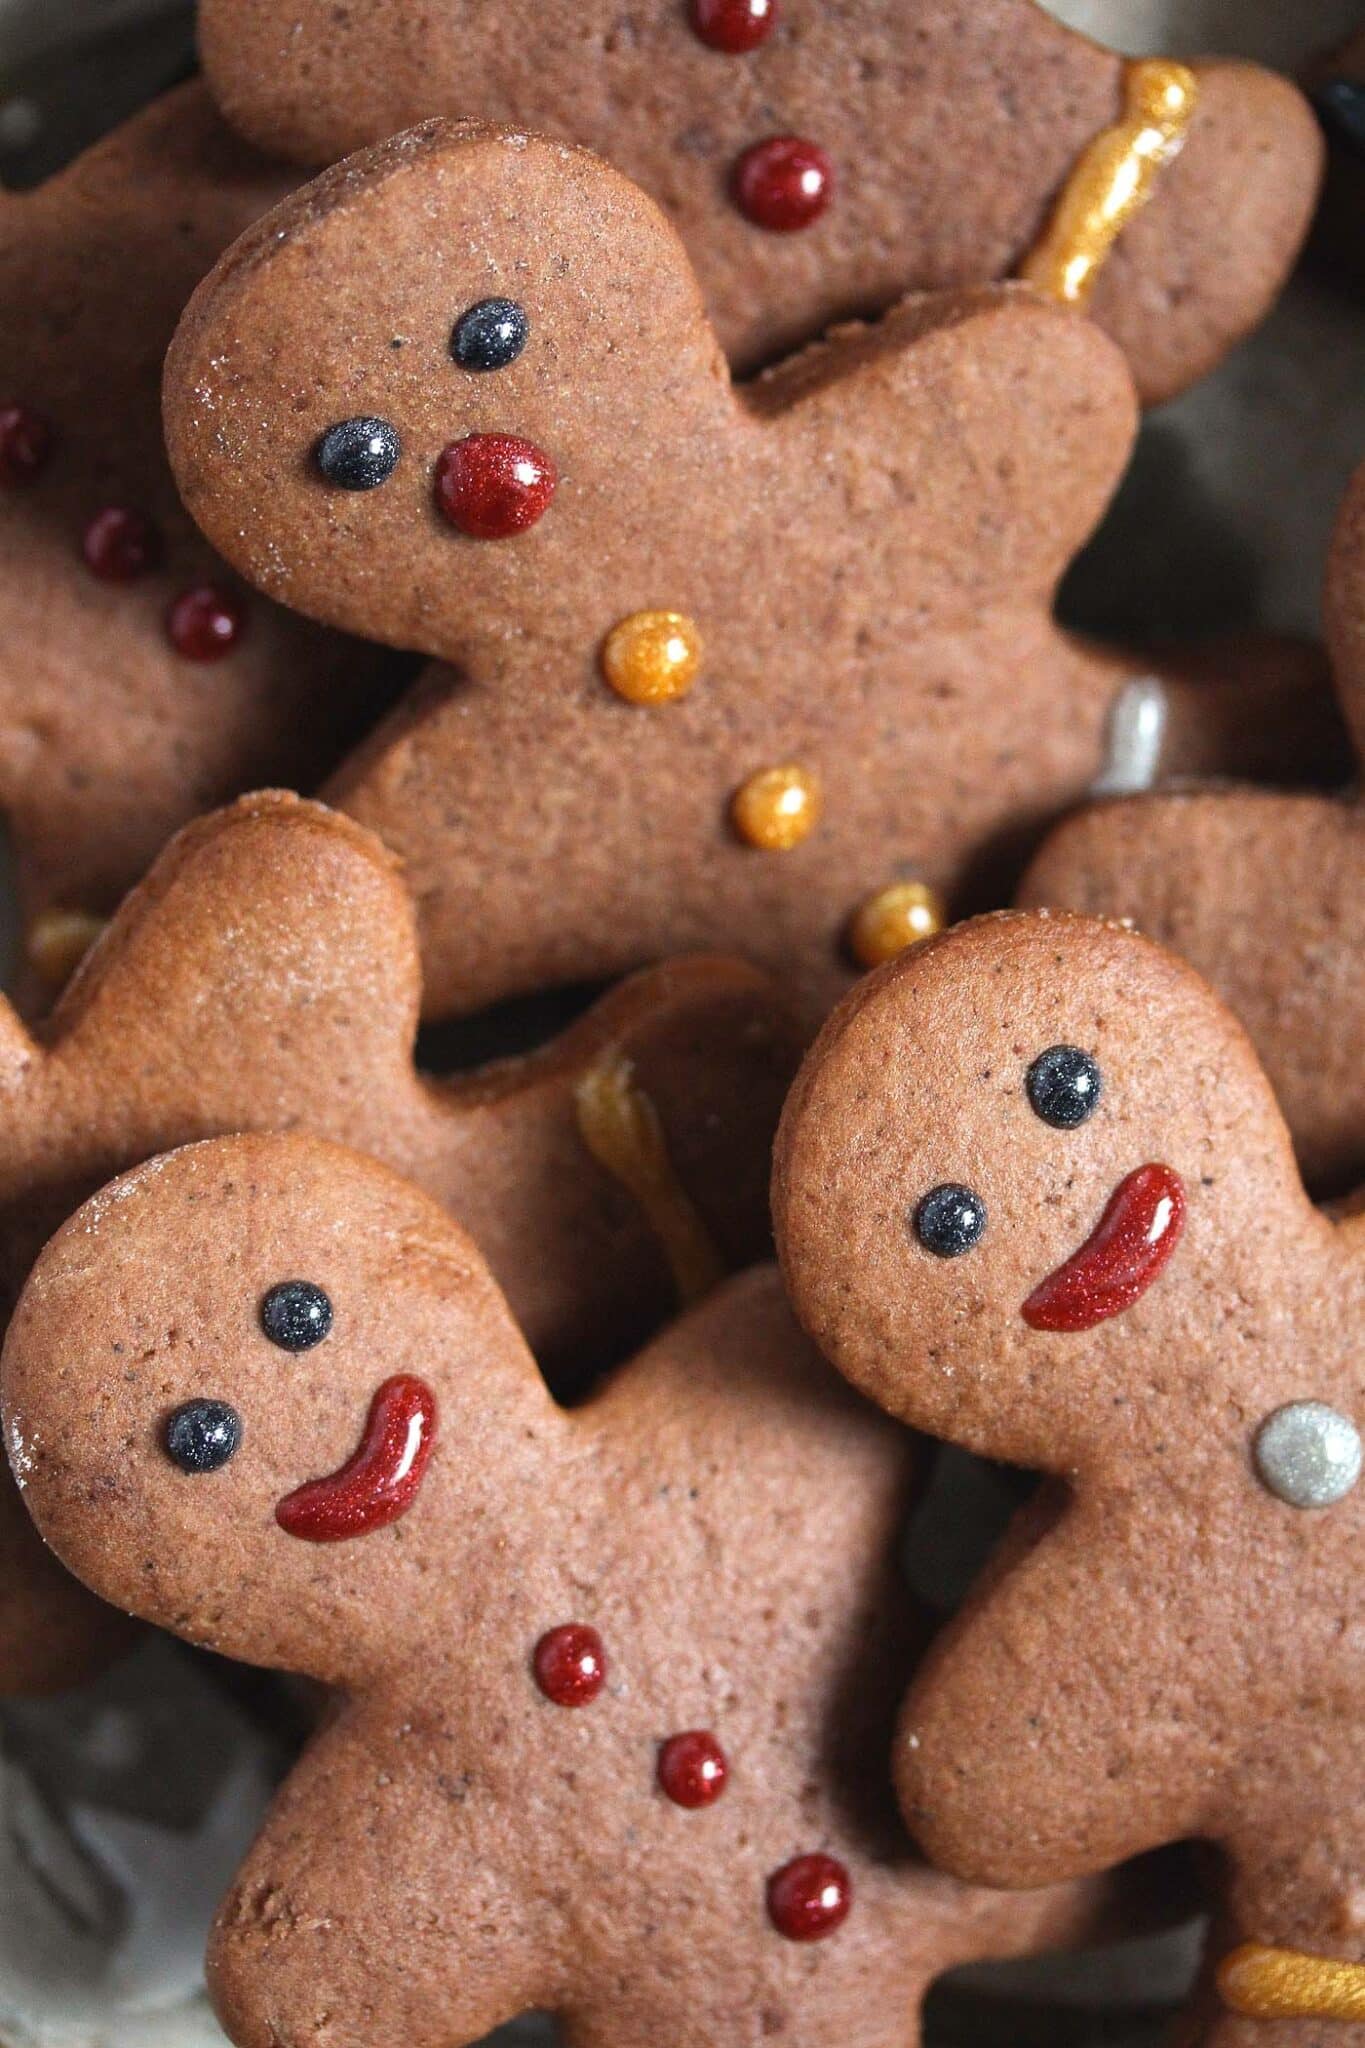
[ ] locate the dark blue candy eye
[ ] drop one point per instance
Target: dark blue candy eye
(202, 1435)
(490, 335)
(358, 455)
(950, 1220)
(1063, 1086)
(296, 1315)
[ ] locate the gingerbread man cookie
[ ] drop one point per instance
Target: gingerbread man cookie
(141, 682)
(821, 161)
(619, 1680)
(1034, 1195)
(1261, 892)
(265, 976)
(771, 668)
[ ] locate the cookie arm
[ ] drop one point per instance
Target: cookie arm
(1050, 1732)
(376, 1903)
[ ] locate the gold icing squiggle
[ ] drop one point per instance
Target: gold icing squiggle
(1113, 179)
(1284, 1984)
(622, 1129)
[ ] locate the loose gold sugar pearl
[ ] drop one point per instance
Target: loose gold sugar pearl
(57, 941)
(896, 917)
(777, 808)
(652, 657)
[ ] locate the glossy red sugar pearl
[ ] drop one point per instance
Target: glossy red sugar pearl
(492, 486)
(205, 622)
(809, 1897)
(120, 545)
(26, 444)
(693, 1768)
(570, 1665)
(784, 183)
(733, 26)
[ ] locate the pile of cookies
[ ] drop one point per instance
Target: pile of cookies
(943, 1029)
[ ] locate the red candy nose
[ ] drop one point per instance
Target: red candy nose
(1128, 1248)
(492, 486)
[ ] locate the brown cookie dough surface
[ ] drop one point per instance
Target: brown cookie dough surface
(487, 1825)
(1033, 1194)
(952, 132)
(1262, 893)
(265, 976)
(110, 735)
(739, 660)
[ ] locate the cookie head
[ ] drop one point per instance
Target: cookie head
(425, 380)
(282, 1330)
(1010, 1153)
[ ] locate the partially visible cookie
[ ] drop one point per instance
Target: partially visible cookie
(1033, 1193)
(618, 1681)
(140, 681)
(1262, 893)
(820, 162)
(265, 976)
(767, 668)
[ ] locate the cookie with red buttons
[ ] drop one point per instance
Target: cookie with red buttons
(767, 667)
(265, 976)
(820, 161)
(142, 682)
(1262, 892)
(1034, 1195)
(618, 1680)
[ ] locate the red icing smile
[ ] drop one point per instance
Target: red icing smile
(379, 1482)
(1118, 1262)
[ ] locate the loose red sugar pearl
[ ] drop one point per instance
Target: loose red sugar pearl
(205, 622)
(570, 1664)
(492, 486)
(733, 26)
(809, 1897)
(120, 545)
(26, 443)
(784, 183)
(693, 1769)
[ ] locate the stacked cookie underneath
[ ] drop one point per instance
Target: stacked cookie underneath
(684, 1269)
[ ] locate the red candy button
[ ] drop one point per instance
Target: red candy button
(492, 486)
(784, 183)
(120, 545)
(733, 26)
(570, 1665)
(693, 1769)
(205, 622)
(809, 1897)
(26, 443)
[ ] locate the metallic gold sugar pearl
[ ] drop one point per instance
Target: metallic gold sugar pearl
(652, 657)
(896, 917)
(777, 808)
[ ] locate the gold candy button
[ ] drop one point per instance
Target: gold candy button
(896, 917)
(652, 657)
(777, 808)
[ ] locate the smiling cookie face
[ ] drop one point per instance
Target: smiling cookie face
(277, 1391)
(456, 356)
(1011, 1157)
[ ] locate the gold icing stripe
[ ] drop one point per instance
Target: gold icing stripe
(622, 1129)
(1284, 1984)
(1113, 179)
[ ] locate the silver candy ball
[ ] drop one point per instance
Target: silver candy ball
(1308, 1454)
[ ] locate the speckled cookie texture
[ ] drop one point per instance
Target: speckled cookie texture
(140, 681)
(717, 665)
(1034, 1195)
(904, 145)
(1262, 892)
(265, 976)
(619, 1680)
